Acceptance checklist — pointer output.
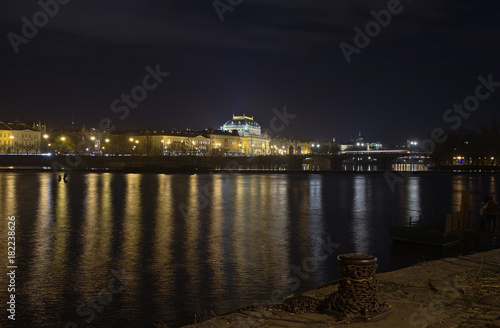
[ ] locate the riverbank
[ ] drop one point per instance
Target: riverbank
(451, 292)
(196, 164)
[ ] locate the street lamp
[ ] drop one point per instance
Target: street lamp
(45, 136)
(63, 138)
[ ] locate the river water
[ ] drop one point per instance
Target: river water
(131, 250)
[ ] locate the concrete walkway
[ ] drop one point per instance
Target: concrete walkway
(451, 292)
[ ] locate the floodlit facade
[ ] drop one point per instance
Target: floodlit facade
(5, 138)
(285, 146)
(19, 138)
(252, 140)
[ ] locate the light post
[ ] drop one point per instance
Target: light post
(413, 144)
(45, 139)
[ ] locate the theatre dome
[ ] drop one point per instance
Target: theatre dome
(245, 125)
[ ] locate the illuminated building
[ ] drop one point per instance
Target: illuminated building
(359, 143)
(20, 138)
(285, 146)
(5, 138)
(252, 140)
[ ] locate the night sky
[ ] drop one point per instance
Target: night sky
(265, 54)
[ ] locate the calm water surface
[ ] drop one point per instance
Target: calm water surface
(129, 250)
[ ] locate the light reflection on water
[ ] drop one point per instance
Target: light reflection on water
(361, 213)
(193, 243)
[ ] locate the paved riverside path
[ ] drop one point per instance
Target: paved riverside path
(451, 292)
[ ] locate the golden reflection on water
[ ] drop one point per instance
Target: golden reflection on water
(197, 200)
(238, 232)
(41, 288)
(163, 267)
(216, 237)
(61, 231)
(316, 217)
(96, 232)
(131, 237)
(459, 184)
(90, 236)
(276, 231)
(361, 213)
(8, 193)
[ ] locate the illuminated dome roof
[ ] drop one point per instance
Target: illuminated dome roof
(242, 124)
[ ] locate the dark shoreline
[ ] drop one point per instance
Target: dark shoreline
(236, 171)
(208, 164)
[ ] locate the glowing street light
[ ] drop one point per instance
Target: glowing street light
(45, 136)
(107, 140)
(92, 138)
(63, 138)
(131, 139)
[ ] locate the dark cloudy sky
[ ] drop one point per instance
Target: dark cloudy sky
(265, 54)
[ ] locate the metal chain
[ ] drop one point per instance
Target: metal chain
(357, 294)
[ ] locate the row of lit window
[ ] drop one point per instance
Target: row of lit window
(25, 143)
(27, 136)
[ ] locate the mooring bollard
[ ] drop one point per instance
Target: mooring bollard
(357, 294)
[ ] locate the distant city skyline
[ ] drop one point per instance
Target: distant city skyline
(390, 69)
